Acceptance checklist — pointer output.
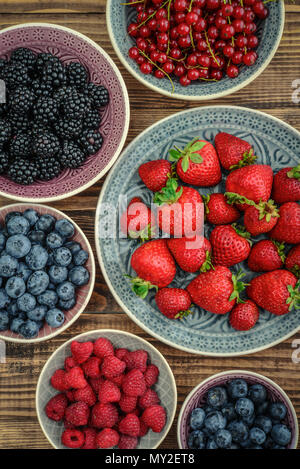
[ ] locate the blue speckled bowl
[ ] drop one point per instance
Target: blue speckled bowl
(270, 31)
(275, 143)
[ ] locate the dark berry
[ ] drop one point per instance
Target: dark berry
(91, 141)
(23, 172)
(71, 156)
(46, 145)
(77, 75)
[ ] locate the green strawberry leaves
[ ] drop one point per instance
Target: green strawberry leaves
(241, 231)
(140, 287)
(207, 264)
(233, 198)
(189, 153)
(294, 298)
(294, 173)
(296, 270)
(280, 249)
(267, 210)
(183, 314)
(248, 158)
(238, 287)
(169, 194)
(143, 235)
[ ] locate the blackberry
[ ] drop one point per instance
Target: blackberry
(39, 128)
(15, 74)
(63, 92)
(77, 75)
(42, 59)
(54, 73)
(23, 172)
(68, 128)
(4, 161)
(91, 141)
(92, 120)
(19, 123)
(21, 146)
(40, 88)
(75, 105)
(48, 168)
(5, 131)
(46, 145)
(24, 56)
(46, 110)
(3, 109)
(98, 94)
(21, 100)
(71, 156)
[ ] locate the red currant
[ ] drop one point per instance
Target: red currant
(212, 4)
(232, 71)
(237, 58)
(252, 41)
(159, 74)
(180, 5)
(163, 25)
(184, 80)
(204, 60)
(241, 41)
(249, 58)
(179, 70)
(228, 50)
(216, 74)
(133, 30)
(238, 25)
(227, 31)
(192, 60)
(238, 12)
(193, 74)
(183, 29)
(227, 10)
(200, 25)
(191, 18)
(146, 68)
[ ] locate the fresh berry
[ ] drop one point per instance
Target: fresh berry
(85, 395)
(81, 351)
(104, 415)
(89, 438)
(155, 174)
(77, 413)
(75, 378)
(127, 442)
(151, 375)
(103, 347)
(58, 380)
(233, 151)
(173, 302)
(287, 228)
(218, 211)
(127, 403)
(55, 408)
(230, 245)
(134, 383)
(138, 220)
(286, 185)
(107, 438)
(112, 367)
(155, 418)
(136, 360)
(148, 399)
(191, 254)
(109, 392)
(292, 262)
(91, 367)
(244, 316)
(72, 438)
(266, 255)
(130, 425)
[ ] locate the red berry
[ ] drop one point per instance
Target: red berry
(163, 25)
(155, 418)
(128, 442)
(72, 438)
(232, 71)
(146, 68)
(238, 12)
(134, 383)
(228, 50)
(252, 41)
(81, 351)
(107, 438)
(200, 25)
(151, 375)
(136, 360)
(133, 53)
(241, 41)
(133, 30)
(103, 348)
(112, 367)
(90, 438)
(75, 379)
(212, 4)
(130, 425)
(249, 58)
(191, 18)
(244, 316)
(227, 31)
(184, 80)
(180, 5)
(238, 25)
(85, 395)
(193, 74)
(104, 415)
(77, 414)
(179, 70)
(237, 58)
(227, 10)
(148, 399)
(55, 409)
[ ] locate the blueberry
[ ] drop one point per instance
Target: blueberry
(8, 265)
(11, 215)
(15, 287)
(54, 240)
(197, 418)
(237, 388)
(215, 421)
(45, 223)
(4, 320)
(223, 438)
(73, 246)
(80, 257)
(38, 282)
(26, 302)
(2, 241)
(65, 228)
(18, 246)
(261, 409)
(228, 410)
(29, 329)
(15, 324)
(4, 298)
(249, 420)
(277, 411)
(38, 313)
(79, 276)
(238, 430)
(17, 225)
(65, 291)
(58, 274)
(48, 298)
(37, 237)
(12, 309)
(244, 407)
(37, 257)
(257, 393)
(217, 397)
(211, 444)
(196, 440)
(31, 215)
(55, 317)
(62, 256)
(23, 271)
(281, 434)
(257, 436)
(263, 422)
(67, 305)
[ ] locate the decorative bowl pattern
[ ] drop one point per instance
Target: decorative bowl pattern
(196, 398)
(165, 387)
(276, 143)
(83, 293)
(119, 17)
(70, 46)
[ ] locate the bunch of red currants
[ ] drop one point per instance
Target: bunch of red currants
(195, 39)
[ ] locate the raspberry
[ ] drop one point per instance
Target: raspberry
(136, 360)
(151, 375)
(72, 438)
(77, 414)
(55, 409)
(128, 403)
(127, 442)
(149, 399)
(68, 425)
(69, 363)
(143, 428)
(90, 438)
(118, 380)
(96, 383)
(109, 392)
(112, 367)
(58, 380)
(130, 425)
(120, 353)
(91, 367)
(70, 396)
(155, 418)
(75, 378)
(134, 383)
(104, 415)
(103, 348)
(86, 395)
(107, 438)
(81, 351)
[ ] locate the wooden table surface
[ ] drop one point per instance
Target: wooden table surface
(271, 92)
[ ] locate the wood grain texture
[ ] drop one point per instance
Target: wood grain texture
(271, 92)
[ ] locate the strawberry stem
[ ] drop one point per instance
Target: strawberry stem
(189, 153)
(238, 286)
(294, 299)
(169, 194)
(294, 173)
(140, 286)
(183, 314)
(247, 159)
(144, 235)
(280, 249)
(207, 264)
(241, 231)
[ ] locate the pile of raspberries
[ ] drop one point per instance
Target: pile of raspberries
(106, 398)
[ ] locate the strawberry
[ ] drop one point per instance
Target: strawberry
(233, 151)
(89, 438)
(155, 174)
(197, 163)
(103, 348)
(287, 228)
(244, 316)
(77, 414)
(253, 182)
(127, 442)
(72, 438)
(58, 380)
(91, 367)
(134, 383)
(218, 211)
(107, 438)
(69, 363)
(286, 185)
(130, 425)
(151, 375)
(216, 291)
(86, 395)
(191, 254)
(292, 262)
(112, 367)
(230, 245)
(174, 303)
(136, 360)
(75, 379)
(128, 403)
(266, 256)
(154, 266)
(148, 399)
(155, 418)
(109, 392)
(81, 351)
(276, 291)
(181, 210)
(138, 221)
(55, 408)
(104, 415)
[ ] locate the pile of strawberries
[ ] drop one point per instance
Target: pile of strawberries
(106, 397)
(177, 214)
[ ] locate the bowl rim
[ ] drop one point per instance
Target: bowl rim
(197, 98)
(61, 329)
(245, 373)
(109, 331)
(114, 158)
(100, 259)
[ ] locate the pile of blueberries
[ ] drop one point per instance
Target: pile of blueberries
(40, 270)
(238, 416)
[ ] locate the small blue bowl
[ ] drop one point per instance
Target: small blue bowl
(270, 31)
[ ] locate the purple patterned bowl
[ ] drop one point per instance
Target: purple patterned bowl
(69, 45)
(83, 294)
(196, 398)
